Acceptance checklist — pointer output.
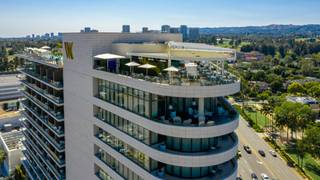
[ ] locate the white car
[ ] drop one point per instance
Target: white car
(273, 153)
(264, 176)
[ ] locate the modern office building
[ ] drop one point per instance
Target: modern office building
(125, 28)
(194, 34)
(9, 87)
(147, 106)
(174, 30)
(184, 32)
(165, 28)
(145, 29)
(44, 117)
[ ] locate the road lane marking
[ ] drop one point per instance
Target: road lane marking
(254, 152)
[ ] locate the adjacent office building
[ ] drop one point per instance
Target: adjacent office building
(174, 30)
(138, 106)
(194, 34)
(165, 28)
(145, 29)
(125, 28)
(184, 31)
(44, 114)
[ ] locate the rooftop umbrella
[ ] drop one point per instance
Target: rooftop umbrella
(171, 69)
(132, 64)
(147, 66)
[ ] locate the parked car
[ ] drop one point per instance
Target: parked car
(264, 176)
(261, 152)
(254, 176)
(247, 149)
(273, 153)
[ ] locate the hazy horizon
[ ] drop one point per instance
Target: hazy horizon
(20, 18)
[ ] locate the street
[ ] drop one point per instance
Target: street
(274, 167)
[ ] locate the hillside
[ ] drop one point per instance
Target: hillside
(273, 30)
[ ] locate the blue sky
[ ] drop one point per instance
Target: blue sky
(22, 17)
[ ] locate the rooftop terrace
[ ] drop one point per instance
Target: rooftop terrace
(42, 56)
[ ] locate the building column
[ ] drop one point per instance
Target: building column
(201, 106)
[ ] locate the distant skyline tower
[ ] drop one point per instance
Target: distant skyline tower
(125, 28)
(145, 29)
(52, 35)
(165, 28)
(194, 34)
(174, 30)
(184, 31)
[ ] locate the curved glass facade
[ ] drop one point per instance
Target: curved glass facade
(163, 142)
(170, 110)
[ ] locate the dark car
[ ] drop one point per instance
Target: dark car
(247, 149)
(262, 153)
(254, 176)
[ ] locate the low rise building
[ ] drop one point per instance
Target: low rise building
(312, 102)
(11, 144)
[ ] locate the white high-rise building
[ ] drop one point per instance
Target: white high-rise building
(147, 106)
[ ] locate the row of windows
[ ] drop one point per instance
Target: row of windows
(128, 151)
(118, 167)
(151, 138)
(132, 99)
(132, 129)
(102, 175)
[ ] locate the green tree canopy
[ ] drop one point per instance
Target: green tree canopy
(296, 88)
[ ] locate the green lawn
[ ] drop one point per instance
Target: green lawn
(311, 166)
(258, 117)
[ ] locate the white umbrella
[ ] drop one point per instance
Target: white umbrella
(191, 65)
(132, 64)
(171, 69)
(45, 47)
(147, 66)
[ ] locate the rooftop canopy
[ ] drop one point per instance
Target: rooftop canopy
(108, 56)
(198, 51)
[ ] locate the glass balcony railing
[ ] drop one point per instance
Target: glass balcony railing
(44, 119)
(59, 145)
(204, 74)
(36, 166)
(54, 113)
(43, 92)
(48, 59)
(58, 159)
(45, 159)
(225, 114)
(56, 84)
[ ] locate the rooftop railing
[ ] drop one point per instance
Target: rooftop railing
(48, 58)
(205, 74)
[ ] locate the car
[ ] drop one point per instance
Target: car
(247, 149)
(264, 176)
(273, 153)
(261, 152)
(254, 176)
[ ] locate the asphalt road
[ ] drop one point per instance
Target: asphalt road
(274, 167)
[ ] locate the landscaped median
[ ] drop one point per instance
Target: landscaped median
(248, 118)
(291, 159)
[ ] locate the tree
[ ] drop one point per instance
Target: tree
(312, 140)
(19, 173)
(302, 149)
(294, 116)
(306, 67)
(2, 156)
(296, 88)
(276, 85)
(214, 40)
